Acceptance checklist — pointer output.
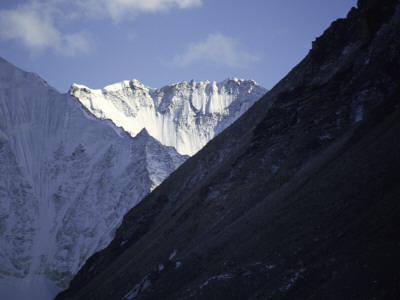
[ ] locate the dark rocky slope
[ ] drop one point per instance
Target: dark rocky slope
(298, 199)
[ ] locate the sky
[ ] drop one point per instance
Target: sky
(159, 42)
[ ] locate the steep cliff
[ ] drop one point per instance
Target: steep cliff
(298, 199)
(66, 181)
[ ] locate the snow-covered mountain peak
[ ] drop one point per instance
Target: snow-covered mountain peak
(116, 87)
(66, 180)
(182, 115)
(126, 84)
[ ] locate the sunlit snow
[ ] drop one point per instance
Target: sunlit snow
(184, 115)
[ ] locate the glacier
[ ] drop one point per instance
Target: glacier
(184, 115)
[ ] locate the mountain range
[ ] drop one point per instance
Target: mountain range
(297, 199)
(67, 178)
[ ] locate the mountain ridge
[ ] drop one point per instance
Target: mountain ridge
(296, 200)
(183, 115)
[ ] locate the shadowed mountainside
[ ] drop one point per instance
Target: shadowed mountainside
(298, 199)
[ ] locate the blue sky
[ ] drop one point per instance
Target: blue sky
(160, 42)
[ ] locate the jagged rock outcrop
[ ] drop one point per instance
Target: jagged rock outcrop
(296, 200)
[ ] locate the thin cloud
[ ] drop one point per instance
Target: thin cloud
(75, 43)
(39, 25)
(217, 48)
(33, 25)
(119, 10)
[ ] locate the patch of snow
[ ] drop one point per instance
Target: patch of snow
(292, 280)
(172, 255)
(221, 218)
(146, 284)
(358, 114)
(325, 137)
(247, 273)
(270, 267)
(204, 284)
(218, 277)
(142, 285)
(223, 276)
(347, 49)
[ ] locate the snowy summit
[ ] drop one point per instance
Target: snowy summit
(183, 115)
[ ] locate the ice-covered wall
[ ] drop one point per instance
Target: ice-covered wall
(184, 115)
(66, 181)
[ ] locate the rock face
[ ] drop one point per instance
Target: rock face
(298, 199)
(184, 115)
(66, 180)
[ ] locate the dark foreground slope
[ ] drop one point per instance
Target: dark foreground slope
(298, 199)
